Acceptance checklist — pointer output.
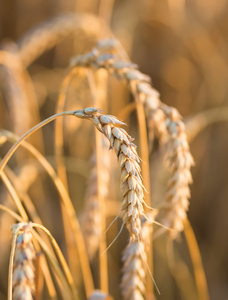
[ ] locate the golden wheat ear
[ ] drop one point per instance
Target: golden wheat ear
(131, 181)
(135, 259)
(163, 121)
(22, 255)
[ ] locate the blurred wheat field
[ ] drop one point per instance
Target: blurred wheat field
(108, 215)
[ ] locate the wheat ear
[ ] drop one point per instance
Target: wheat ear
(132, 187)
(23, 281)
(162, 119)
(133, 197)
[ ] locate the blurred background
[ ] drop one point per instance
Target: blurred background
(183, 46)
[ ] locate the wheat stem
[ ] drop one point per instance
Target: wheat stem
(200, 278)
(103, 260)
(60, 257)
(10, 274)
(11, 151)
(11, 212)
(66, 291)
(15, 197)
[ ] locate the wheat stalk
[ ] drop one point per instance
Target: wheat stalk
(91, 220)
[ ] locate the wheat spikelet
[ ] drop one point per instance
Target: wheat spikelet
(23, 268)
(162, 119)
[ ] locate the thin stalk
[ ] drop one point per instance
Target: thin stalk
(50, 285)
(11, 151)
(15, 197)
(126, 111)
(26, 200)
(144, 150)
(200, 278)
(83, 258)
(146, 176)
(180, 273)
(103, 245)
(66, 291)
(11, 213)
(59, 142)
(10, 275)
(61, 258)
(103, 259)
(61, 169)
